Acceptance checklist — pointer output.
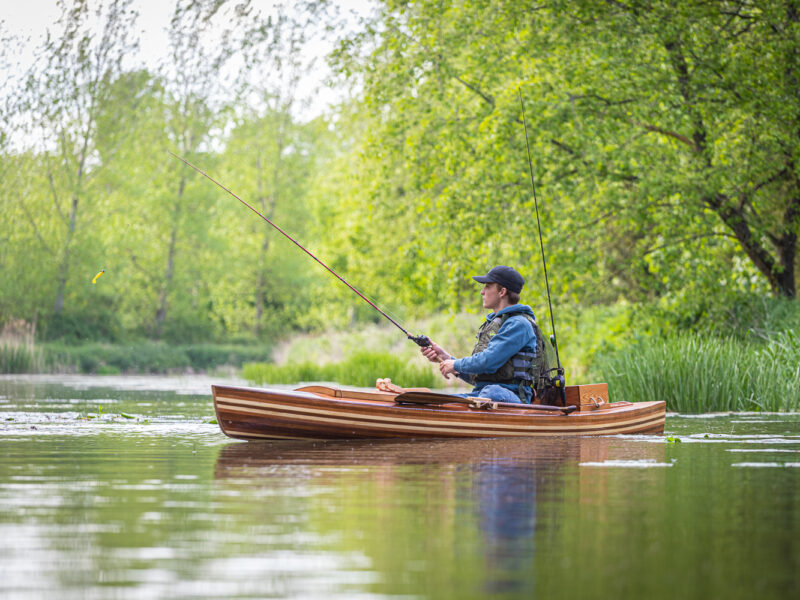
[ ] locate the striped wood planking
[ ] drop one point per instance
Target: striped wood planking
(275, 414)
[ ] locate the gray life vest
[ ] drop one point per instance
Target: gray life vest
(516, 368)
(520, 369)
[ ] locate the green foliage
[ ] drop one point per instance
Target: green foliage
(88, 182)
(664, 144)
(453, 332)
(361, 369)
(662, 135)
(96, 323)
(208, 356)
(697, 373)
(748, 316)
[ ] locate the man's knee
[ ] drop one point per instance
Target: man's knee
(498, 393)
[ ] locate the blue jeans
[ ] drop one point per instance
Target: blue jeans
(495, 393)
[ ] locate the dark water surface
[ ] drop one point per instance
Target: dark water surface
(162, 505)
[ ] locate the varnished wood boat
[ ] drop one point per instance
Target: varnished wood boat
(317, 412)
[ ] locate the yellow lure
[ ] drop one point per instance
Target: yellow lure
(98, 275)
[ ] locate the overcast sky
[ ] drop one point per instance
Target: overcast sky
(31, 19)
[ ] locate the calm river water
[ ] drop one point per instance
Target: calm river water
(119, 487)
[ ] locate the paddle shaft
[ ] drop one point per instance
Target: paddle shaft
(434, 398)
(542, 407)
(425, 396)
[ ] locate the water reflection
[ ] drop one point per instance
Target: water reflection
(508, 493)
(164, 506)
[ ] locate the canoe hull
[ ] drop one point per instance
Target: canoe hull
(258, 414)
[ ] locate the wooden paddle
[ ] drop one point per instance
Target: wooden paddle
(387, 393)
(339, 393)
(434, 398)
(420, 396)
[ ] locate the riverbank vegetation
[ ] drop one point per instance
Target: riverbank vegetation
(664, 143)
(148, 357)
(694, 373)
(19, 353)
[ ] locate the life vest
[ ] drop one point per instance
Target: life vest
(524, 369)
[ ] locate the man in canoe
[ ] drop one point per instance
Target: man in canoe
(509, 354)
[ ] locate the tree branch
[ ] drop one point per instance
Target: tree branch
(605, 101)
(735, 220)
(678, 136)
(489, 99)
(36, 229)
(135, 262)
(55, 193)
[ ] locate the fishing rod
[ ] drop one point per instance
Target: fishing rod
(421, 340)
(560, 382)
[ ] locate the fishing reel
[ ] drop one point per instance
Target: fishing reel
(423, 341)
(554, 388)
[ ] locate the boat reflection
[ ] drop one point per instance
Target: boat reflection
(510, 492)
(258, 459)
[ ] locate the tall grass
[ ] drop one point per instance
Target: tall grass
(695, 373)
(360, 369)
(19, 358)
(18, 353)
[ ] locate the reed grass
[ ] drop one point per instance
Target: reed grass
(361, 370)
(19, 358)
(18, 352)
(697, 374)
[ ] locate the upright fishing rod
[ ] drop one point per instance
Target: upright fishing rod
(421, 340)
(560, 382)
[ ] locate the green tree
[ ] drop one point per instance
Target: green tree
(664, 138)
(271, 156)
(139, 224)
(269, 160)
(707, 95)
(65, 93)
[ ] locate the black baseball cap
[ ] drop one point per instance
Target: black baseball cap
(505, 276)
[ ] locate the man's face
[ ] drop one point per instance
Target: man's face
(491, 294)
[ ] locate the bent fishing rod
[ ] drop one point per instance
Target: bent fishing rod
(560, 382)
(421, 340)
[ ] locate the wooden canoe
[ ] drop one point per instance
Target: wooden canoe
(317, 412)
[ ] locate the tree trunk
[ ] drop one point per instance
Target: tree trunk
(785, 279)
(261, 282)
(63, 266)
(778, 267)
(161, 313)
(268, 204)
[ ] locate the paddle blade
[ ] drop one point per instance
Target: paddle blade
(426, 398)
